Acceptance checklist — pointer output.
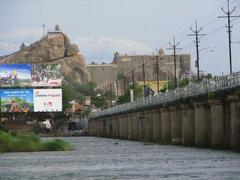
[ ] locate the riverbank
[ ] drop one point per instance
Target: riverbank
(16, 142)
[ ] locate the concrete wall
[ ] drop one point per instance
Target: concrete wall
(102, 73)
(213, 123)
(125, 63)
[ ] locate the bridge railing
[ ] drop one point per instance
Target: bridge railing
(193, 89)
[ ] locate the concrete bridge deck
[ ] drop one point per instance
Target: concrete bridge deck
(203, 88)
(206, 114)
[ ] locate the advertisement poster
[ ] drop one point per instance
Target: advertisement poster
(46, 75)
(16, 100)
(14, 75)
(47, 100)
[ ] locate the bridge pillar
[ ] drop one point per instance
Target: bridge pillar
(166, 125)
(100, 129)
(148, 125)
(202, 124)
(156, 125)
(176, 125)
(125, 126)
(135, 126)
(188, 127)
(217, 123)
(113, 127)
(96, 127)
(235, 124)
(109, 127)
(117, 121)
(141, 125)
(104, 121)
(130, 126)
(91, 128)
(121, 126)
(227, 121)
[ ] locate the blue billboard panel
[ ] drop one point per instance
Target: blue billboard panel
(16, 100)
(14, 75)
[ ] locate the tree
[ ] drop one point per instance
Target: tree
(68, 95)
(138, 93)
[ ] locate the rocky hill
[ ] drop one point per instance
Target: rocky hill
(55, 47)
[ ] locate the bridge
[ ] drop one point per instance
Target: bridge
(203, 114)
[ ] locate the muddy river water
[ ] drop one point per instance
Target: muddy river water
(98, 158)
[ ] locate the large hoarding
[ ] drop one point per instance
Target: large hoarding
(15, 75)
(46, 75)
(16, 100)
(47, 100)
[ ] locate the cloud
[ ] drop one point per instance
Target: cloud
(104, 47)
(23, 34)
(8, 47)
(10, 41)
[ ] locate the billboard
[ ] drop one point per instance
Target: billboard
(16, 100)
(46, 75)
(47, 100)
(15, 75)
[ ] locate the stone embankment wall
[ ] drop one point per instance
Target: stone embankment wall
(215, 124)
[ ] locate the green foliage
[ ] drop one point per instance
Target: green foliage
(68, 95)
(209, 76)
(87, 89)
(77, 91)
(2, 127)
(14, 142)
(189, 101)
(109, 95)
(184, 82)
(237, 92)
(124, 98)
(120, 76)
(56, 145)
(98, 101)
(211, 95)
(170, 85)
(138, 93)
(86, 111)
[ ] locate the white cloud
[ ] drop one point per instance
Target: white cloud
(105, 47)
(8, 47)
(11, 40)
(23, 34)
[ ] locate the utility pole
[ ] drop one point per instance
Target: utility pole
(133, 79)
(157, 72)
(143, 67)
(117, 87)
(196, 34)
(111, 91)
(229, 27)
(174, 46)
(124, 83)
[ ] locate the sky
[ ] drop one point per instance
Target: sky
(101, 27)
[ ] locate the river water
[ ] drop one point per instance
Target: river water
(98, 158)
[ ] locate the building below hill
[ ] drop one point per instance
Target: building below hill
(143, 67)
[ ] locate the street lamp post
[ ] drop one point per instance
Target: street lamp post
(197, 65)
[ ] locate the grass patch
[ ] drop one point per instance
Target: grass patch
(14, 142)
(165, 141)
